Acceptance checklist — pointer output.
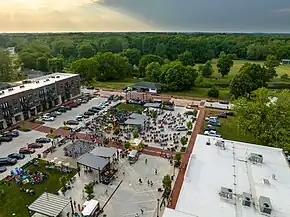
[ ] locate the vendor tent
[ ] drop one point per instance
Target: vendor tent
(48, 204)
(104, 152)
(93, 161)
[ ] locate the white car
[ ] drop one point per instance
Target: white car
(213, 118)
(212, 133)
(181, 128)
(47, 118)
(57, 112)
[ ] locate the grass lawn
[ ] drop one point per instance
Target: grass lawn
(15, 201)
(229, 129)
(115, 84)
(130, 107)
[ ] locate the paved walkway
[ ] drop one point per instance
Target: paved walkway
(180, 177)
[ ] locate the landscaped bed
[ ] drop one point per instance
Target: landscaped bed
(228, 129)
(12, 200)
(130, 107)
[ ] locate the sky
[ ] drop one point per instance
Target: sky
(271, 16)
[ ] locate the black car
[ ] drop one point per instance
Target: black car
(53, 114)
(96, 108)
(17, 156)
(229, 113)
(90, 87)
(43, 140)
(2, 169)
(93, 110)
(222, 115)
(6, 161)
(89, 113)
(5, 138)
(13, 133)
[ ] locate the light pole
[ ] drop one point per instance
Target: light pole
(158, 207)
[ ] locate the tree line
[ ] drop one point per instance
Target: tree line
(167, 58)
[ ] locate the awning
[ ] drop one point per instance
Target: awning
(93, 161)
(103, 152)
(49, 204)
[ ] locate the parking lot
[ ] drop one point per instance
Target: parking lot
(22, 140)
(71, 114)
(131, 196)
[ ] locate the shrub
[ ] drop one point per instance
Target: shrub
(127, 145)
(213, 92)
(66, 128)
(189, 133)
(194, 113)
(23, 129)
(284, 77)
(51, 135)
(183, 149)
(38, 122)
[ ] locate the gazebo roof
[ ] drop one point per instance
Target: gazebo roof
(93, 161)
(103, 152)
(49, 204)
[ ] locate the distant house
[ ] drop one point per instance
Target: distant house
(285, 61)
(147, 87)
(11, 50)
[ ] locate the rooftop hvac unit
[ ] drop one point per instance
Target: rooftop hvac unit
(1, 92)
(21, 86)
(10, 89)
(265, 205)
(255, 158)
(226, 193)
(37, 82)
(221, 144)
(247, 199)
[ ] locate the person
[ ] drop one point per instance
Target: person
(140, 181)
(151, 183)
(146, 161)
(136, 215)
(155, 171)
(142, 211)
(75, 204)
(124, 173)
(148, 182)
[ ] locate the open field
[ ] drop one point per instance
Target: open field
(15, 201)
(201, 92)
(229, 129)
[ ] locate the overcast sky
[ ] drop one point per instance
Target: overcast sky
(145, 15)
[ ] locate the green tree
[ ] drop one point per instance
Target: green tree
(224, 64)
(177, 159)
(271, 61)
(186, 58)
(6, 67)
(85, 50)
(127, 145)
(183, 140)
(146, 59)
(265, 118)
(89, 190)
(42, 64)
(250, 78)
(213, 92)
(62, 181)
(166, 183)
(206, 70)
(133, 55)
(153, 71)
(154, 114)
(86, 68)
(177, 77)
(55, 64)
(28, 60)
(256, 51)
(189, 125)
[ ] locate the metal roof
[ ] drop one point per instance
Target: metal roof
(103, 151)
(93, 161)
(49, 204)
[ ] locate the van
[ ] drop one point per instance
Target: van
(133, 156)
(91, 208)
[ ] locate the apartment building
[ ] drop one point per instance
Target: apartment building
(32, 96)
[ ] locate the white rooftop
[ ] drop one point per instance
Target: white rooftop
(36, 83)
(212, 167)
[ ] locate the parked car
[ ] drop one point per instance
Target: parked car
(85, 116)
(89, 113)
(93, 110)
(5, 138)
(85, 100)
(53, 114)
(181, 128)
(47, 118)
(42, 140)
(79, 118)
(35, 145)
(72, 122)
(229, 113)
(73, 105)
(13, 133)
(208, 118)
(26, 150)
(96, 108)
(90, 87)
(66, 107)
(7, 161)
(212, 133)
(62, 109)
(17, 156)
(3, 169)
(214, 123)
(222, 115)
(57, 112)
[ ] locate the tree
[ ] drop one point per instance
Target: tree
(86, 68)
(6, 67)
(153, 71)
(266, 118)
(127, 145)
(146, 59)
(186, 58)
(85, 50)
(89, 190)
(28, 60)
(177, 77)
(133, 55)
(189, 125)
(177, 159)
(206, 70)
(55, 64)
(154, 114)
(250, 78)
(42, 64)
(271, 61)
(183, 140)
(166, 183)
(224, 64)
(62, 181)
(213, 92)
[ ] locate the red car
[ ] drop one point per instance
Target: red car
(72, 122)
(35, 145)
(26, 150)
(73, 105)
